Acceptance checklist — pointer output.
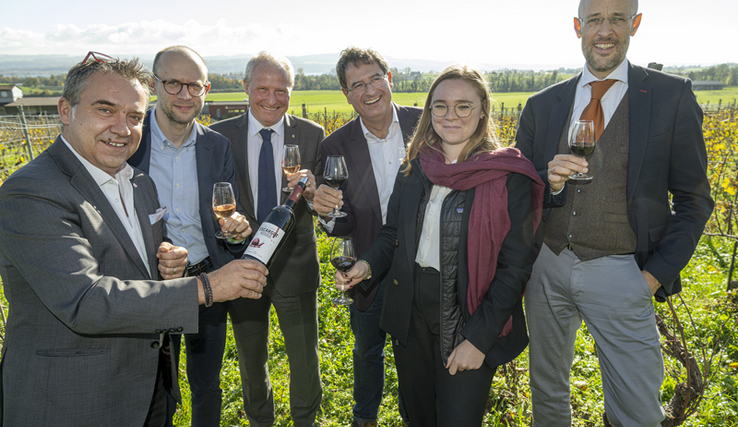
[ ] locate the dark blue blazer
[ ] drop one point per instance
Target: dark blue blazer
(666, 155)
(214, 164)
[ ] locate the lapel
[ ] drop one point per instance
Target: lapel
(142, 212)
(81, 180)
(204, 161)
(559, 113)
(291, 136)
(639, 114)
(241, 157)
(361, 169)
(411, 197)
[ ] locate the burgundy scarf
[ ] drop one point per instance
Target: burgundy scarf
(489, 221)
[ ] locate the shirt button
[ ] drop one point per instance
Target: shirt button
(574, 213)
(155, 344)
(579, 190)
(570, 236)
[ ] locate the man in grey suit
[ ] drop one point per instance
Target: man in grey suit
(257, 138)
(79, 231)
(610, 245)
(185, 159)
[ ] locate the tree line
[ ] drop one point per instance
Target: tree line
(405, 80)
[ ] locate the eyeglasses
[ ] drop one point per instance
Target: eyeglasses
(174, 87)
(99, 57)
(462, 109)
(373, 82)
(617, 23)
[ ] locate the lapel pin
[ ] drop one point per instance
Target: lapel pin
(644, 91)
(134, 185)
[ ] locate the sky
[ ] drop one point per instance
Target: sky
(492, 34)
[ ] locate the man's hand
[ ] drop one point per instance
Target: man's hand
(561, 167)
(294, 178)
(326, 199)
(237, 225)
(653, 283)
(172, 260)
(238, 279)
(349, 279)
(465, 357)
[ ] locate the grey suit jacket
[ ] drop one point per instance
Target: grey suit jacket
(666, 155)
(296, 270)
(82, 342)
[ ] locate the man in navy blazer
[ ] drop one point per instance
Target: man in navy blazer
(649, 193)
(185, 159)
(372, 146)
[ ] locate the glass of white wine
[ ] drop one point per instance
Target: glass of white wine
(290, 162)
(224, 204)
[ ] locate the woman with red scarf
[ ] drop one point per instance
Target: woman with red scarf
(456, 249)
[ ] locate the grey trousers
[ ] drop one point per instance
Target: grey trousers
(614, 300)
(298, 321)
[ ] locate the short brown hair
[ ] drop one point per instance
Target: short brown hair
(129, 69)
(354, 56)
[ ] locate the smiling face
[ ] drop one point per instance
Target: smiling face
(373, 102)
(181, 108)
(105, 126)
(453, 130)
(269, 93)
(605, 47)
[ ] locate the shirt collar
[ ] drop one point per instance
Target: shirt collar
(158, 136)
(255, 126)
(366, 131)
(620, 73)
(100, 176)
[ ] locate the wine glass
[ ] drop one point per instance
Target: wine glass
(290, 162)
(343, 257)
(335, 173)
(582, 143)
(224, 204)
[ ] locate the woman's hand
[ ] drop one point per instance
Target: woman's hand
(347, 280)
(465, 357)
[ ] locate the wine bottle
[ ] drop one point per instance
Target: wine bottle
(273, 232)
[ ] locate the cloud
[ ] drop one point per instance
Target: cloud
(148, 37)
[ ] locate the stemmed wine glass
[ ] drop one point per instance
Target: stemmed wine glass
(224, 204)
(335, 173)
(582, 143)
(290, 162)
(343, 257)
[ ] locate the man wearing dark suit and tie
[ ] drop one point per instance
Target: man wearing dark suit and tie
(79, 231)
(257, 139)
(185, 159)
(372, 145)
(610, 245)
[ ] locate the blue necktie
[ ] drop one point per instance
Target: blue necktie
(267, 181)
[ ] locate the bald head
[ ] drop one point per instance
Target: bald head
(583, 4)
(179, 50)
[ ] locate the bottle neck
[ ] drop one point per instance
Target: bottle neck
(296, 193)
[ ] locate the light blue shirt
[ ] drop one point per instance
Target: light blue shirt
(174, 171)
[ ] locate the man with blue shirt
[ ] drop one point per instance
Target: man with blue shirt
(185, 159)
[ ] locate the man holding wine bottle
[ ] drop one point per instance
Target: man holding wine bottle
(185, 160)
(372, 146)
(79, 231)
(610, 245)
(257, 141)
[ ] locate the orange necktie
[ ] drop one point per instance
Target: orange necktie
(593, 110)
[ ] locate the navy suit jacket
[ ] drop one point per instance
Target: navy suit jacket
(666, 155)
(214, 164)
(360, 195)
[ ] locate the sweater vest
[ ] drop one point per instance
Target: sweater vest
(594, 221)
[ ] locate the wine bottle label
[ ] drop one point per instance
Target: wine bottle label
(265, 242)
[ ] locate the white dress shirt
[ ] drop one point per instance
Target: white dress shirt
(254, 148)
(119, 192)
